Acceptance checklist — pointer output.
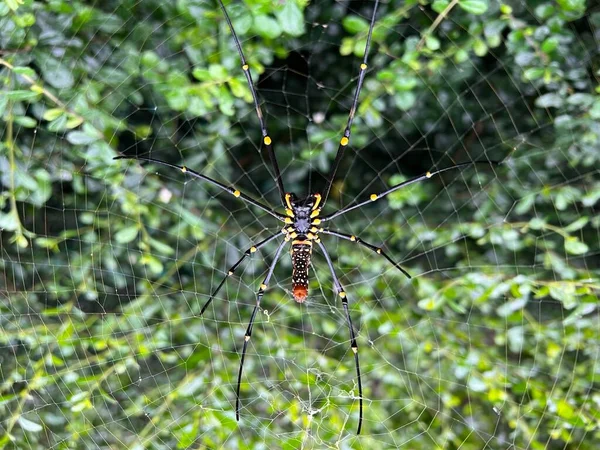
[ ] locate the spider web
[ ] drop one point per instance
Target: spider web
(107, 264)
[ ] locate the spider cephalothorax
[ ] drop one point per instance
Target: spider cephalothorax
(302, 217)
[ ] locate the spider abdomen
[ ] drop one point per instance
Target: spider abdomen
(301, 253)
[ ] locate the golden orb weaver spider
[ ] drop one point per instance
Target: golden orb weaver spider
(301, 220)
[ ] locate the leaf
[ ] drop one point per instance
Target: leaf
(80, 138)
(533, 73)
(28, 425)
(577, 225)
(55, 73)
(355, 24)
(52, 114)
(25, 121)
(21, 95)
(432, 43)
(405, 100)
(267, 27)
(474, 6)
(160, 247)
(128, 234)
(9, 221)
(291, 18)
(575, 247)
(549, 101)
(440, 5)
(14, 4)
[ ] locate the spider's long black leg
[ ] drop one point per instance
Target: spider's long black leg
(263, 126)
(248, 334)
(426, 176)
(231, 190)
(233, 268)
(374, 248)
(346, 137)
(353, 344)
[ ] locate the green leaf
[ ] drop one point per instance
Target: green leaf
(440, 5)
(405, 100)
(480, 48)
(27, 71)
(52, 114)
(161, 247)
(533, 73)
(564, 409)
(291, 18)
(267, 27)
(549, 45)
(575, 247)
(577, 225)
(28, 425)
(474, 6)
(550, 100)
(21, 95)
(25, 121)
(55, 73)
(355, 24)
(80, 138)
(14, 4)
(432, 43)
(9, 221)
(128, 234)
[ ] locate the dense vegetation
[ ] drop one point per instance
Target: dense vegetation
(105, 264)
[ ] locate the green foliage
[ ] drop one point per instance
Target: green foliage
(105, 265)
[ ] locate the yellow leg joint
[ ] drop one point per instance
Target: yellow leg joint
(373, 197)
(288, 220)
(184, 169)
(363, 66)
(245, 67)
(267, 140)
(263, 286)
(288, 201)
(342, 294)
(236, 193)
(315, 213)
(344, 141)
(252, 249)
(428, 174)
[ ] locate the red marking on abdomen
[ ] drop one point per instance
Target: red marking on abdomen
(299, 292)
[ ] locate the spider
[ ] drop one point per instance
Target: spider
(302, 220)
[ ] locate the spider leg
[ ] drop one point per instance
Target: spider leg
(195, 174)
(353, 344)
(248, 334)
(371, 247)
(346, 137)
(232, 269)
(426, 176)
(263, 126)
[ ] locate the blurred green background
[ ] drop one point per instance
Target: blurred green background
(105, 264)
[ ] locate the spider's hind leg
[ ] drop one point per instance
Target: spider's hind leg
(353, 343)
(248, 334)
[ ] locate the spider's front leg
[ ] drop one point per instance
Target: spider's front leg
(373, 248)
